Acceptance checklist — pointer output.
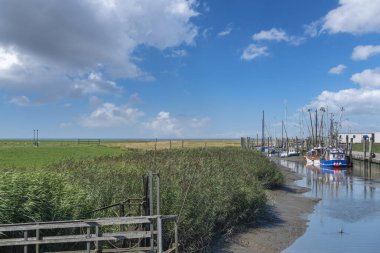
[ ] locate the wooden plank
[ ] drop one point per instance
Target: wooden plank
(76, 238)
(75, 224)
(118, 250)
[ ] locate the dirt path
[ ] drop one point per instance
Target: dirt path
(286, 222)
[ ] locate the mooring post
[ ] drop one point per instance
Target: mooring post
(346, 144)
(351, 143)
(370, 147)
(364, 147)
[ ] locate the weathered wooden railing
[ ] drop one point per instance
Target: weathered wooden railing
(93, 232)
(30, 235)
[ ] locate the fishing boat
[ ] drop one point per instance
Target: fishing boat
(291, 152)
(334, 158)
(313, 156)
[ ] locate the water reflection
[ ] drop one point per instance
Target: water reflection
(350, 203)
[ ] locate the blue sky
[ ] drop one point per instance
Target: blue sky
(185, 69)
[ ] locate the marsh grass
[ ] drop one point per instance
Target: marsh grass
(212, 189)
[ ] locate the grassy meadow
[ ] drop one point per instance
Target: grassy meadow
(21, 153)
(359, 147)
(224, 185)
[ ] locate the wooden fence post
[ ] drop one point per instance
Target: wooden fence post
(151, 209)
(25, 238)
(159, 234)
(176, 235)
(88, 244)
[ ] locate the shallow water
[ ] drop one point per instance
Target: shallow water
(347, 219)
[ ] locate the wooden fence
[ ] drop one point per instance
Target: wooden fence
(89, 141)
(31, 235)
(141, 233)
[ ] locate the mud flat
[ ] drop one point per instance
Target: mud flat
(285, 221)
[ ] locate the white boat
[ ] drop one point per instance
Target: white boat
(313, 156)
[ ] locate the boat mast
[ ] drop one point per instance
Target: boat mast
(316, 127)
(262, 133)
(312, 128)
(282, 134)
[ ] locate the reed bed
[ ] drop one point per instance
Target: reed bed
(212, 189)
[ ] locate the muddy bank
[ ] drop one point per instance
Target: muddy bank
(284, 223)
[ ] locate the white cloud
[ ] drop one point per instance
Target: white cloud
(7, 58)
(337, 69)
(369, 78)
(22, 101)
(109, 115)
(355, 102)
(165, 125)
(50, 48)
(354, 16)
(278, 35)
(313, 28)
(363, 52)
(177, 53)
(226, 31)
(94, 83)
(253, 51)
(272, 34)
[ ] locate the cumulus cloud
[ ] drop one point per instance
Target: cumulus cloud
(357, 102)
(165, 125)
(337, 70)
(364, 52)
(253, 51)
(226, 31)
(354, 101)
(109, 115)
(369, 78)
(353, 16)
(55, 48)
(278, 35)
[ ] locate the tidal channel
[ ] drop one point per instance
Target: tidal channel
(347, 219)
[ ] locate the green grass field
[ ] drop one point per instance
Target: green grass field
(21, 153)
(359, 147)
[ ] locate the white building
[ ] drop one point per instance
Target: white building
(358, 137)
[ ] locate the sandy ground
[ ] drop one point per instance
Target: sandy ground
(287, 220)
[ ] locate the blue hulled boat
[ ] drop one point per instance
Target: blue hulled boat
(334, 158)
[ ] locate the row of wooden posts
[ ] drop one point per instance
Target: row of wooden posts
(249, 142)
